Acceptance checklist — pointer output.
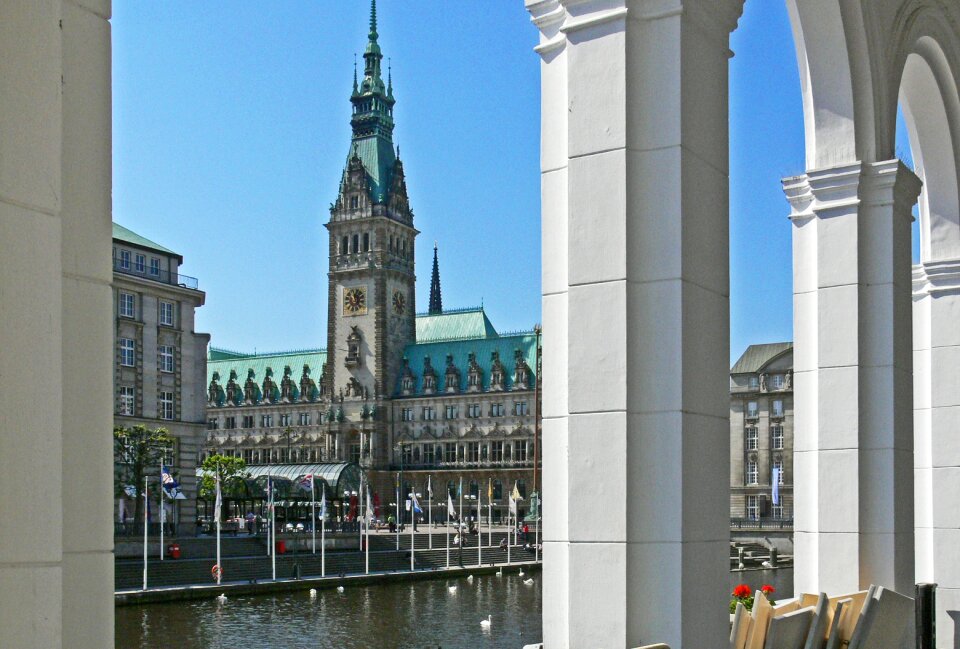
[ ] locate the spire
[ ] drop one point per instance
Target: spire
(436, 301)
(355, 92)
(373, 20)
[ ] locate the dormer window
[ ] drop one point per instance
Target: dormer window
(354, 202)
(429, 377)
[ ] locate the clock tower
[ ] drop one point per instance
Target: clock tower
(371, 305)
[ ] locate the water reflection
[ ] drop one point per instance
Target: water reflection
(415, 615)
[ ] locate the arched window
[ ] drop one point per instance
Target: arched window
(366, 242)
(354, 202)
(497, 490)
(356, 243)
(345, 248)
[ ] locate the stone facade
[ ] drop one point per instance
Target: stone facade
(761, 432)
(160, 361)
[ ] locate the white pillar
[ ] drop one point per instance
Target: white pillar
(936, 311)
(635, 282)
(853, 377)
(56, 548)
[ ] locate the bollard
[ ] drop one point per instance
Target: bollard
(926, 611)
(773, 557)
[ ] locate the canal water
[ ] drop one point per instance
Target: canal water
(422, 614)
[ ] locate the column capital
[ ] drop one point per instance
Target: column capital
(936, 278)
(890, 182)
(823, 193)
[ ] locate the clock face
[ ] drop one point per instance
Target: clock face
(399, 302)
(355, 300)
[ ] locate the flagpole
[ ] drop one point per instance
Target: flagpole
(323, 534)
(460, 523)
(413, 526)
(217, 514)
(313, 513)
(161, 508)
(269, 529)
(489, 512)
(360, 509)
(273, 528)
(510, 509)
(397, 526)
(366, 518)
(479, 529)
(146, 509)
(429, 512)
(447, 526)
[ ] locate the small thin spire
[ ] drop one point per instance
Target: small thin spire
(373, 20)
(436, 300)
(354, 73)
(389, 76)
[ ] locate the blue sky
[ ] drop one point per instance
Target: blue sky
(231, 127)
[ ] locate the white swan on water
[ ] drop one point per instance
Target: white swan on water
(340, 589)
(486, 623)
(313, 593)
(500, 572)
(452, 589)
(521, 572)
(528, 582)
(470, 578)
(221, 598)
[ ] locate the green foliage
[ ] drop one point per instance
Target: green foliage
(137, 450)
(227, 467)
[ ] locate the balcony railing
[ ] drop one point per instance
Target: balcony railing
(762, 523)
(159, 275)
(453, 466)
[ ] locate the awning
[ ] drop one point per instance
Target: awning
(339, 478)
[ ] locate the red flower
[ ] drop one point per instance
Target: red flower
(767, 589)
(741, 591)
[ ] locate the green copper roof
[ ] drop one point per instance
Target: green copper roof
(378, 158)
(756, 357)
(121, 233)
(222, 361)
(482, 348)
(456, 324)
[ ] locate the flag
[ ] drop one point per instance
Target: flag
(450, 509)
(775, 480)
(516, 492)
(429, 489)
(415, 503)
(489, 490)
(306, 483)
(218, 502)
(323, 506)
(171, 488)
(369, 506)
(514, 496)
(460, 488)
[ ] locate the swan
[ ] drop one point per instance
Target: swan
(766, 564)
(528, 582)
(340, 589)
(486, 623)
(313, 593)
(500, 572)
(221, 598)
(470, 578)
(452, 589)
(521, 573)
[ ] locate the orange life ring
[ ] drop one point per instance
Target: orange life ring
(216, 571)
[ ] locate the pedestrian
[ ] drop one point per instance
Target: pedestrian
(526, 532)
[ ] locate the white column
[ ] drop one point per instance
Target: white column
(56, 561)
(936, 312)
(635, 282)
(853, 377)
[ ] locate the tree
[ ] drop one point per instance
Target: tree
(137, 450)
(227, 467)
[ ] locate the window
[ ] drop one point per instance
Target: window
(266, 421)
(452, 489)
(125, 259)
(366, 241)
(753, 382)
(473, 380)
(778, 407)
(428, 454)
(304, 418)
(777, 380)
(451, 412)
(473, 410)
(753, 507)
(248, 421)
(752, 473)
(429, 413)
(140, 265)
(406, 414)
(496, 410)
(126, 400)
(776, 434)
(497, 490)
(166, 405)
(520, 451)
(753, 438)
(166, 313)
(406, 454)
(285, 419)
(213, 423)
(354, 202)
(230, 423)
(473, 451)
(522, 488)
(778, 467)
(356, 243)
(128, 308)
(752, 410)
(127, 352)
(777, 511)
(166, 358)
(345, 246)
(154, 266)
(450, 452)
(496, 451)
(520, 408)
